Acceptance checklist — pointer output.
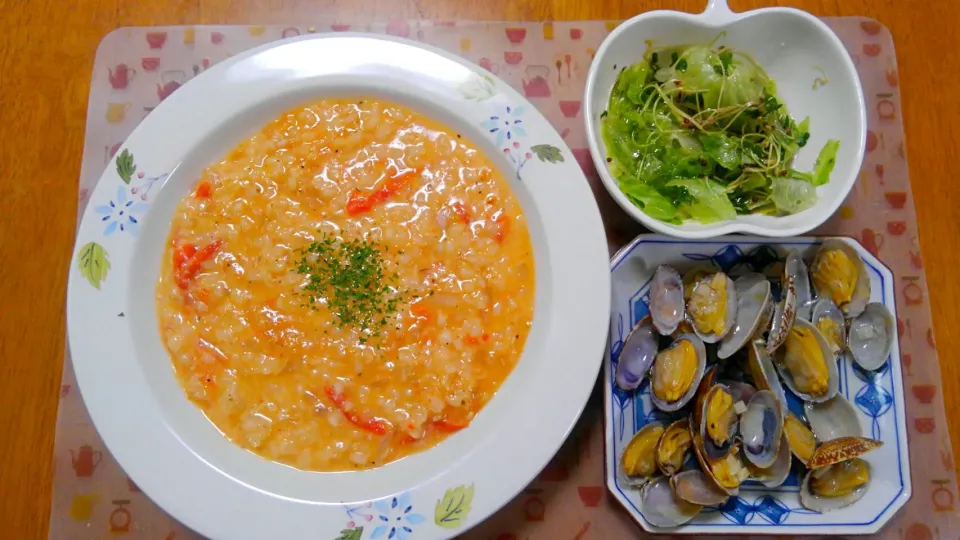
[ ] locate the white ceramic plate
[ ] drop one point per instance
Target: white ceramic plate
(815, 76)
(876, 396)
(166, 444)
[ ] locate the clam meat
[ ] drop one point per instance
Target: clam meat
(835, 486)
(828, 319)
(712, 307)
(673, 447)
(677, 371)
(800, 438)
(807, 363)
(638, 462)
(838, 273)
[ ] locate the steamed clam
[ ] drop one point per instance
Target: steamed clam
(673, 447)
(695, 486)
(871, 336)
(724, 381)
(833, 419)
(800, 438)
(828, 319)
(676, 372)
(637, 355)
(835, 486)
(662, 507)
(754, 309)
(776, 474)
(666, 300)
(718, 424)
(638, 462)
(761, 429)
(795, 267)
(807, 364)
(712, 307)
(838, 273)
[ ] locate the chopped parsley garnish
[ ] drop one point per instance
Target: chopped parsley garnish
(351, 278)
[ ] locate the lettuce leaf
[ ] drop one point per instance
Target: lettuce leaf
(791, 195)
(710, 200)
(825, 162)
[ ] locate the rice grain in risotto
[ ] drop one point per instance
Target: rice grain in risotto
(348, 286)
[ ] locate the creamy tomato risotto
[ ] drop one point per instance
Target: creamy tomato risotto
(348, 286)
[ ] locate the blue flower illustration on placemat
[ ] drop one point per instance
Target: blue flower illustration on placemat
(121, 213)
(507, 125)
(769, 508)
(396, 518)
(872, 398)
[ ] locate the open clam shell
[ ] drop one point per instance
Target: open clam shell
(776, 474)
(661, 506)
(741, 391)
(764, 373)
(801, 368)
(706, 383)
(871, 336)
(828, 318)
(833, 419)
(854, 470)
(638, 462)
(831, 275)
(761, 429)
(695, 486)
(701, 306)
(802, 441)
(727, 472)
(754, 309)
(666, 300)
(795, 267)
(718, 422)
(841, 449)
(674, 446)
(784, 314)
(637, 355)
(672, 365)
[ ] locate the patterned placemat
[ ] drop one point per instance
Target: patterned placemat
(136, 68)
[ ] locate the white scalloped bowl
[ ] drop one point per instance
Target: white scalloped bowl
(796, 49)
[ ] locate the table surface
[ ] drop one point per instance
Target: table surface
(42, 114)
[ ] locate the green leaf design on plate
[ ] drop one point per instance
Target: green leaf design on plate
(547, 153)
(125, 166)
(478, 88)
(454, 507)
(351, 534)
(94, 264)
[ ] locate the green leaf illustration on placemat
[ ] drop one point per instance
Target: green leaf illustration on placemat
(454, 507)
(547, 153)
(93, 263)
(351, 534)
(125, 166)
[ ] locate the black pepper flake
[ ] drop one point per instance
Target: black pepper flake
(609, 160)
(614, 67)
(458, 135)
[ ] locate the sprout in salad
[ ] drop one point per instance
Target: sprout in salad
(699, 133)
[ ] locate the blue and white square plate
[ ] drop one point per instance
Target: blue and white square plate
(877, 396)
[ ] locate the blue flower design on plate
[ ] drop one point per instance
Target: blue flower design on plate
(769, 508)
(507, 125)
(731, 256)
(396, 518)
(121, 213)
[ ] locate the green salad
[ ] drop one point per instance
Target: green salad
(699, 133)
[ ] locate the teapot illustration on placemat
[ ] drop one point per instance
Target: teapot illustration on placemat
(120, 76)
(536, 84)
(85, 460)
(169, 82)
